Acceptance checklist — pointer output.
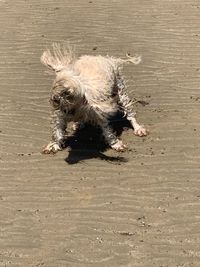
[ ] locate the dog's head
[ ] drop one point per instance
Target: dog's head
(61, 98)
(65, 91)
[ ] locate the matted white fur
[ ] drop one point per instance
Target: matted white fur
(87, 89)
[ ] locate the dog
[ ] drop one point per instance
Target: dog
(88, 89)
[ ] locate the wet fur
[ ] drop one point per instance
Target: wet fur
(89, 89)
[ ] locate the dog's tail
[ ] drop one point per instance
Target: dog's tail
(135, 60)
(58, 59)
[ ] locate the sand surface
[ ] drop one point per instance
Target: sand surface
(90, 206)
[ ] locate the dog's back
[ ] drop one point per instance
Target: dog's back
(98, 73)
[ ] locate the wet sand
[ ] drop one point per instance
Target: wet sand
(92, 206)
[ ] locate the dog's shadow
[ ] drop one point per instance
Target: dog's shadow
(89, 143)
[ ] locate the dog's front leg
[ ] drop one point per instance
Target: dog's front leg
(59, 121)
(107, 132)
(111, 138)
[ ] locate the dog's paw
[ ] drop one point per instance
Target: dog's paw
(141, 131)
(119, 146)
(51, 148)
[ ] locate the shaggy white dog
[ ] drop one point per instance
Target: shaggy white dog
(89, 89)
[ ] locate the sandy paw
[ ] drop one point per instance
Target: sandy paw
(119, 146)
(51, 148)
(141, 131)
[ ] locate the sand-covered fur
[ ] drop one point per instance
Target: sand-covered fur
(89, 89)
